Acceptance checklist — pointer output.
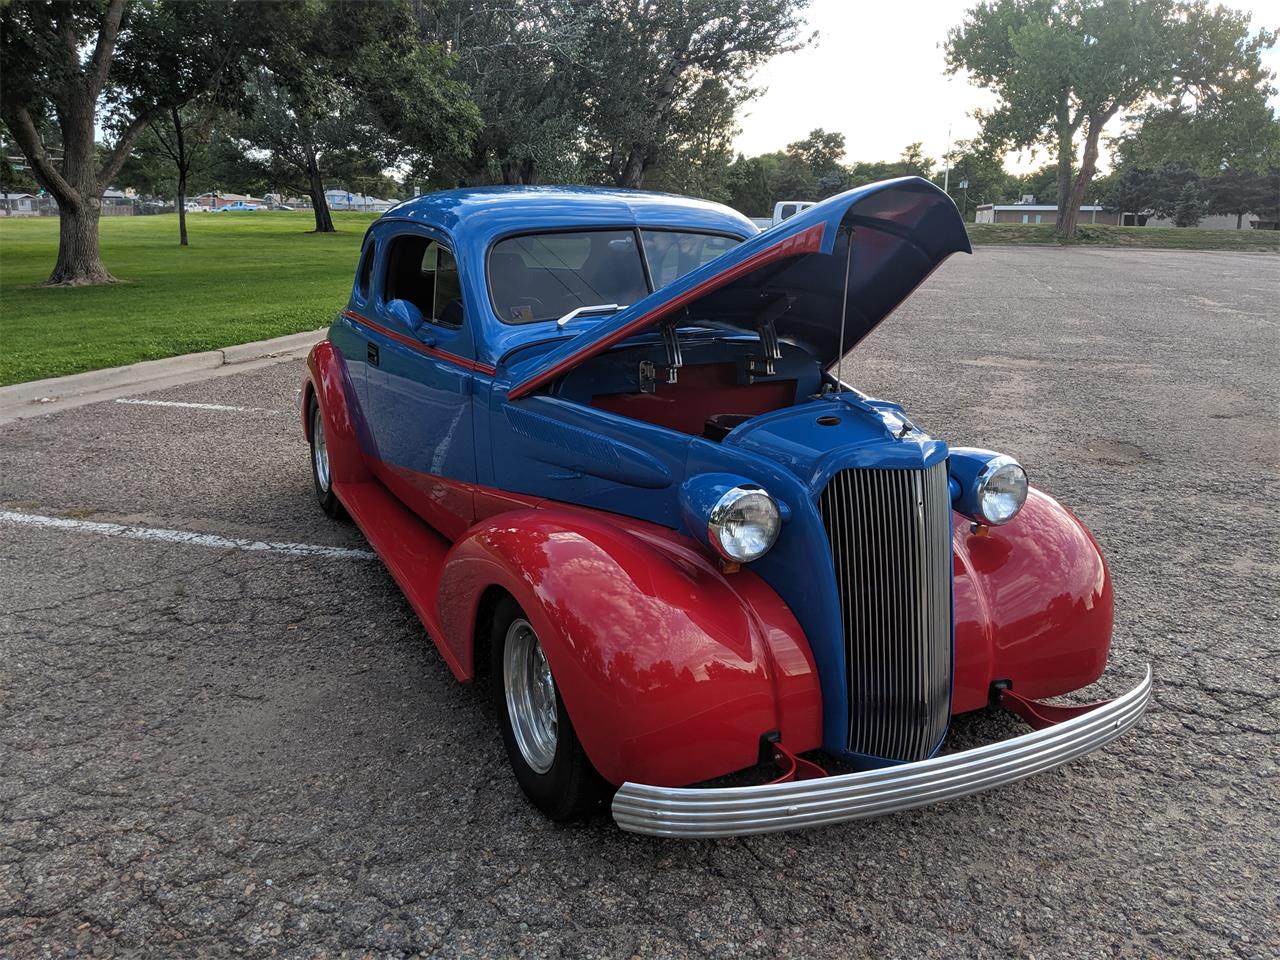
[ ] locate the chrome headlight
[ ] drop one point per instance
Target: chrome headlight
(744, 524)
(989, 487)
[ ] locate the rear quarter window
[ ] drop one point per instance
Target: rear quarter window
(364, 273)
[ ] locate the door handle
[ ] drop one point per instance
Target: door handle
(371, 353)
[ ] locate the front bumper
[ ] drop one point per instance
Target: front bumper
(736, 811)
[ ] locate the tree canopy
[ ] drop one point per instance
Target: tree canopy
(354, 79)
(1066, 68)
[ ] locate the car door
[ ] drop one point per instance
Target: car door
(419, 379)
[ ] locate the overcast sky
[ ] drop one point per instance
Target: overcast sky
(877, 75)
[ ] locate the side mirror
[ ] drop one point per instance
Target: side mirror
(407, 313)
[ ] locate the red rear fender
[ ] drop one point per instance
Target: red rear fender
(670, 670)
(328, 381)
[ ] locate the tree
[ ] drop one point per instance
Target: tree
(353, 78)
(698, 163)
(1066, 67)
(517, 58)
(81, 63)
(982, 169)
(1238, 192)
(1187, 211)
(644, 62)
(1240, 135)
(1041, 184)
(180, 136)
(1153, 192)
(750, 183)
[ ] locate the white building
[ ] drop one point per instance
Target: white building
(1038, 213)
(18, 205)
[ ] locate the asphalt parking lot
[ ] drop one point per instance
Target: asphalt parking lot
(208, 750)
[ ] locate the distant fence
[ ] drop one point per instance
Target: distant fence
(46, 207)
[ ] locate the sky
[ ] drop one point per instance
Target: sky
(877, 75)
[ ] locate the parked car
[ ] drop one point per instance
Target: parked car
(236, 206)
(192, 207)
(595, 438)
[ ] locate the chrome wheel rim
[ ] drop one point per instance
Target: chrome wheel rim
(319, 450)
(531, 696)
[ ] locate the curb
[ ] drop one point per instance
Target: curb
(38, 397)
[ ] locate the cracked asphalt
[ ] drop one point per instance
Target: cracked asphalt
(208, 752)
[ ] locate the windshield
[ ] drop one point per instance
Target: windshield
(547, 275)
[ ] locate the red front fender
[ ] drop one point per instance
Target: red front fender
(670, 670)
(1033, 605)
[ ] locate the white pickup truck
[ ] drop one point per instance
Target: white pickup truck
(782, 210)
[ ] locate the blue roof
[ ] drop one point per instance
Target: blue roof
(485, 213)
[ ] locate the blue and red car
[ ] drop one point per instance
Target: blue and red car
(595, 437)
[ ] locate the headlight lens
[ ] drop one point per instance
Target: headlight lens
(1002, 490)
(744, 524)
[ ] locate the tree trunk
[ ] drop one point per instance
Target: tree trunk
(79, 261)
(632, 174)
(319, 205)
(183, 166)
(1088, 164)
(1066, 153)
(182, 207)
(1240, 220)
(517, 171)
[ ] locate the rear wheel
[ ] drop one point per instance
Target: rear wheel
(542, 746)
(320, 474)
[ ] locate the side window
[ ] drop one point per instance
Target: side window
(424, 273)
(671, 254)
(365, 274)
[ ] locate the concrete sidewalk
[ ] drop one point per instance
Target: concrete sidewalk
(37, 397)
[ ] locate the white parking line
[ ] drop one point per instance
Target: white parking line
(193, 406)
(183, 536)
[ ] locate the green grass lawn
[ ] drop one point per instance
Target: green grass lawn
(245, 276)
(1156, 238)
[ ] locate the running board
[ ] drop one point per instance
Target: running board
(411, 551)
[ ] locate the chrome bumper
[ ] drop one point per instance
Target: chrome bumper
(736, 811)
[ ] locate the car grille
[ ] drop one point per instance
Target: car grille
(890, 537)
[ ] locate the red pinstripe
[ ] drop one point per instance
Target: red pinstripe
(421, 347)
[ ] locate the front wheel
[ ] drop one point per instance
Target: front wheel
(320, 475)
(542, 746)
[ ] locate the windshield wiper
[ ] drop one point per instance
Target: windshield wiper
(595, 308)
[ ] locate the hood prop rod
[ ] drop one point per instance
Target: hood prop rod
(844, 304)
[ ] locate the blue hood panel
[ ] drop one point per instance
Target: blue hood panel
(794, 274)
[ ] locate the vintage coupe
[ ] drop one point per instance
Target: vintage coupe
(595, 438)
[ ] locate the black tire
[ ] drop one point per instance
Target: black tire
(320, 475)
(570, 789)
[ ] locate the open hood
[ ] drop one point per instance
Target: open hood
(799, 280)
